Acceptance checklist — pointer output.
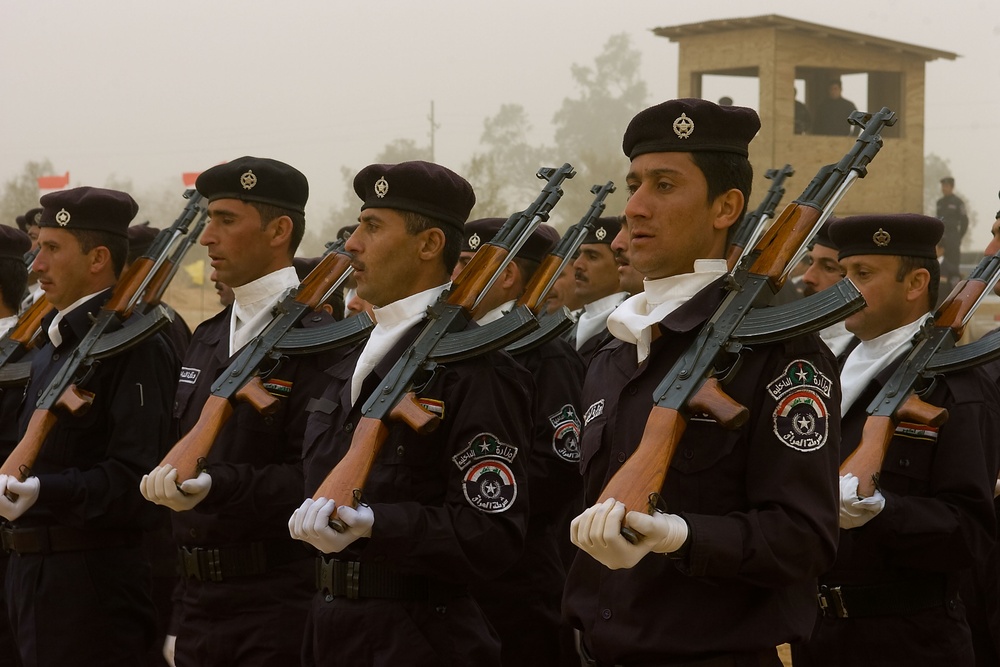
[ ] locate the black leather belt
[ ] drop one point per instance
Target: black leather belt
(54, 539)
(763, 658)
(886, 599)
(237, 560)
(355, 580)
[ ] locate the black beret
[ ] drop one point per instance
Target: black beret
(13, 243)
(535, 248)
(256, 179)
(903, 234)
(605, 230)
(689, 125)
(140, 237)
(823, 235)
(95, 209)
(420, 187)
(20, 223)
(948, 180)
(32, 217)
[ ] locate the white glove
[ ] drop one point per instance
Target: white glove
(598, 532)
(856, 511)
(26, 494)
(169, 644)
(311, 523)
(160, 487)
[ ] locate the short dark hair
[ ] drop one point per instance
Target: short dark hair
(908, 264)
(13, 282)
(527, 267)
(723, 172)
(269, 212)
(453, 236)
(116, 245)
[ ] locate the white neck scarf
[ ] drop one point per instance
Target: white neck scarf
(633, 321)
(7, 323)
(837, 337)
(253, 303)
(496, 313)
(55, 336)
(595, 316)
(392, 322)
(869, 358)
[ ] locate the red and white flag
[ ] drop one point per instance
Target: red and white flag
(189, 177)
(51, 183)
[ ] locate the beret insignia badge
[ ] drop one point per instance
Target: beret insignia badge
(683, 126)
(881, 238)
(62, 217)
(601, 233)
(38, 217)
(381, 187)
(474, 241)
(248, 180)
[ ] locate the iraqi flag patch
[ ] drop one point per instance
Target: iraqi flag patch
(279, 388)
(566, 434)
(801, 419)
(917, 431)
(488, 482)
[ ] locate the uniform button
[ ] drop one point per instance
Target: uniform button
(400, 450)
(606, 614)
(632, 390)
(348, 427)
(621, 457)
(55, 357)
(904, 463)
(269, 420)
(689, 453)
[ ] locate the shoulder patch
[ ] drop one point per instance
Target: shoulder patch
(489, 484)
(593, 412)
(566, 436)
(801, 420)
(189, 375)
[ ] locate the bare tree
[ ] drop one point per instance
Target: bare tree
(21, 193)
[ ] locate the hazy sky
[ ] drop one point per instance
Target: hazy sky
(146, 90)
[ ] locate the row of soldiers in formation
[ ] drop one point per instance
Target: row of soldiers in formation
(488, 540)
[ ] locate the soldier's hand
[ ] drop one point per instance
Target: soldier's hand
(598, 532)
(311, 523)
(159, 486)
(16, 497)
(854, 510)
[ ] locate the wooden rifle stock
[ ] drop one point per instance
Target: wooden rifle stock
(471, 282)
(778, 245)
(534, 293)
(28, 324)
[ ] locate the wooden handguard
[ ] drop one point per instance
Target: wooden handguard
(475, 276)
(533, 292)
(319, 281)
(18, 464)
(774, 257)
(28, 324)
(865, 462)
(187, 454)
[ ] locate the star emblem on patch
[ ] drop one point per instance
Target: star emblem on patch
(248, 180)
(801, 420)
(62, 217)
(381, 187)
(566, 434)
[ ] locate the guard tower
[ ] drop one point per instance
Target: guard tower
(786, 56)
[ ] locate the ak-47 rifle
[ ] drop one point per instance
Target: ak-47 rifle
(551, 325)
(692, 385)
(29, 257)
(753, 223)
(21, 338)
(933, 354)
(242, 380)
(442, 340)
(154, 291)
(107, 337)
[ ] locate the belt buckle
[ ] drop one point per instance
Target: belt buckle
(352, 579)
(190, 565)
(324, 575)
(831, 601)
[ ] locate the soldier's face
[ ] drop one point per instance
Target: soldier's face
(563, 291)
(65, 272)
(240, 247)
(889, 300)
(464, 258)
(671, 223)
(629, 279)
(595, 272)
(385, 256)
(824, 270)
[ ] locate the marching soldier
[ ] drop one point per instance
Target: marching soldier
(245, 585)
(597, 286)
(78, 581)
(522, 604)
(892, 596)
(440, 513)
(728, 571)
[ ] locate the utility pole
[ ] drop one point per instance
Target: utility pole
(434, 126)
